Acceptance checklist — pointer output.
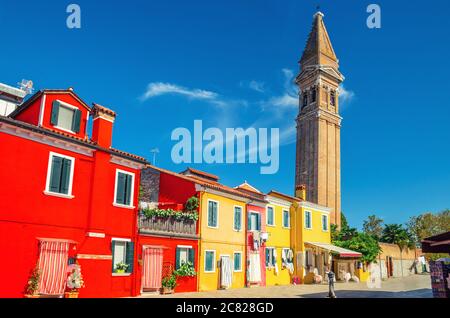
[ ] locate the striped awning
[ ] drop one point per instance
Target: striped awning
(342, 252)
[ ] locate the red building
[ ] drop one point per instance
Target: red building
(66, 197)
(165, 242)
(255, 236)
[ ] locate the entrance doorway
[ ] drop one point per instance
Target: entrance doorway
(152, 269)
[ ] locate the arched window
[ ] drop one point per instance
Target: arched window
(333, 98)
(305, 99)
(313, 95)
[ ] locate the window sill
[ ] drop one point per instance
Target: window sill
(124, 206)
(212, 227)
(65, 130)
(121, 274)
(271, 225)
(59, 195)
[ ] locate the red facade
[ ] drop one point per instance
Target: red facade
(84, 213)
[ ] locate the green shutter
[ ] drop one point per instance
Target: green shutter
(55, 113)
(249, 221)
(214, 214)
(76, 121)
(267, 257)
(128, 184)
(209, 261)
(129, 259)
(258, 221)
(177, 258)
(65, 176)
(120, 193)
(55, 175)
(191, 256)
(113, 247)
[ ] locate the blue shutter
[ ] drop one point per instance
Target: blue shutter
(55, 174)
(258, 221)
(209, 261)
(129, 258)
(128, 184)
(267, 257)
(177, 258)
(113, 247)
(65, 176)
(249, 221)
(76, 121)
(55, 113)
(120, 193)
(191, 256)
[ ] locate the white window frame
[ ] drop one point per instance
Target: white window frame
(125, 240)
(74, 108)
(214, 262)
(289, 219)
(49, 173)
(234, 214)
(328, 227)
(207, 212)
(131, 206)
(259, 217)
(186, 247)
(240, 263)
(267, 215)
(311, 220)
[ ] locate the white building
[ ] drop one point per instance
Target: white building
(10, 98)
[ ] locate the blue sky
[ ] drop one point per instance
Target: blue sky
(230, 63)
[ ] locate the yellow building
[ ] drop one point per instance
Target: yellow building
(222, 234)
(278, 226)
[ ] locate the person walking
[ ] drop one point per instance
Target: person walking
(331, 277)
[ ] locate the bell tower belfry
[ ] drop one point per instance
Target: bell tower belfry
(318, 164)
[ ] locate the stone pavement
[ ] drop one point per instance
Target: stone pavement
(415, 286)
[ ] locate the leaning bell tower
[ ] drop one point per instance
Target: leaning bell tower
(318, 163)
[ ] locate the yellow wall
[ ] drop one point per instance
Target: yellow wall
(279, 238)
(224, 240)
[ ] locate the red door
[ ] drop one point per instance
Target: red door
(152, 268)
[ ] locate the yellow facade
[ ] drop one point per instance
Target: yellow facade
(279, 238)
(223, 240)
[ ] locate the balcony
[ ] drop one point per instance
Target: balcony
(168, 227)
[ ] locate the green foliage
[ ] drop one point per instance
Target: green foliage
(170, 213)
(396, 234)
(435, 256)
(185, 270)
(169, 282)
(428, 224)
(362, 243)
(33, 281)
(121, 266)
(191, 204)
(373, 226)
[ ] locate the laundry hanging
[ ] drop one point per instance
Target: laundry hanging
(275, 264)
(226, 275)
(254, 268)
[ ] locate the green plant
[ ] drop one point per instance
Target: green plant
(121, 266)
(33, 281)
(170, 213)
(169, 282)
(191, 204)
(185, 270)
(364, 244)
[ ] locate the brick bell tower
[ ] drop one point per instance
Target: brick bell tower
(318, 164)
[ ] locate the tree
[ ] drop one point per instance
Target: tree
(364, 244)
(428, 224)
(373, 226)
(396, 234)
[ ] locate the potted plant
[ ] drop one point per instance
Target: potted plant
(186, 270)
(168, 284)
(33, 284)
(74, 281)
(121, 268)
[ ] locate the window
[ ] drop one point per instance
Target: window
(122, 253)
(213, 214)
(308, 221)
(237, 218)
(325, 223)
(237, 261)
(305, 99)
(124, 188)
(60, 174)
(333, 98)
(210, 261)
(65, 116)
(184, 254)
(270, 257)
(270, 216)
(286, 219)
(313, 95)
(254, 221)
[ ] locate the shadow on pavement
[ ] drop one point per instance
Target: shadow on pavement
(418, 293)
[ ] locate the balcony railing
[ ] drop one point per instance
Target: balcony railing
(168, 227)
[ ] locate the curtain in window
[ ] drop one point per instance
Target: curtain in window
(53, 259)
(153, 261)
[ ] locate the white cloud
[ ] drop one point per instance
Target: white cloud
(285, 100)
(345, 96)
(158, 88)
(257, 86)
(289, 98)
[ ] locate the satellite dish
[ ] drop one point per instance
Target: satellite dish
(27, 86)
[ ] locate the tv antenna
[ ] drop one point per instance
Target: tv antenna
(154, 151)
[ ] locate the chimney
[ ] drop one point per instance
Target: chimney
(300, 192)
(103, 120)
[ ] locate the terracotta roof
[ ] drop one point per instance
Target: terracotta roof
(288, 197)
(246, 186)
(58, 134)
(103, 109)
(201, 174)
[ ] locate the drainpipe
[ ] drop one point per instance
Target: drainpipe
(199, 224)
